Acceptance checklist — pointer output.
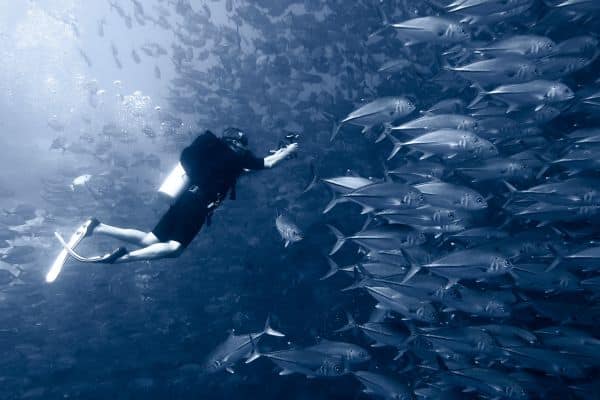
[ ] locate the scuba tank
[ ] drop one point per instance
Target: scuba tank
(175, 183)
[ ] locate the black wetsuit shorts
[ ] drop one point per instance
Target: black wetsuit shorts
(183, 220)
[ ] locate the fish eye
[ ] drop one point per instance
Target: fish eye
(479, 200)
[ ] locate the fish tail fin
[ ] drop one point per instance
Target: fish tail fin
(359, 281)
(542, 171)
(387, 128)
(340, 239)
(511, 193)
(366, 209)
(547, 163)
(270, 331)
(378, 31)
(350, 324)
(332, 203)
(414, 267)
(559, 258)
(481, 93)
(335, 131)
(441, 363)
(386, 172)
(255, 352)
(333, 269)
(384, 17)
(397, 145)
(414, 332)
(367, 222)
(356, 285)
(314, 178)
(444, 64)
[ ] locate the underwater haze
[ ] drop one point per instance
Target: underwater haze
(434, 237)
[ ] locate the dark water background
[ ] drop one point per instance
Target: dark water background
(142, 330)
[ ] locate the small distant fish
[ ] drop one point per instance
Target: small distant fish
(288, 230)
(101, 24)
(55, 124)
(80, 181)
(135, 56)
(85, 58)
(59, 143)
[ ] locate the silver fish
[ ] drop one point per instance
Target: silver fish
(431, 30)
(384, 195)
(343, 185)
(381, 238)
(235, 348)
(447, 195)
(306, 362)
(536, 93)
(289, 231)
(530, 46)
(495, 71)
(448, 144)
(353, 353)
(438, 121)
(379, 111)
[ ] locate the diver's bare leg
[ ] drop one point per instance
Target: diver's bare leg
(155, 251)
(134, 236)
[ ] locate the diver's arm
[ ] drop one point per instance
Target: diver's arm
(273, 159)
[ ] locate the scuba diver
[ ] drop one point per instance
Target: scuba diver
(212, 165)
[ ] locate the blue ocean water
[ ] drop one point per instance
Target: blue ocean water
(98, 99)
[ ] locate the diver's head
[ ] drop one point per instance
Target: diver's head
(235, 138)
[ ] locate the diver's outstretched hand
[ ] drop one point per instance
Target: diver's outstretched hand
(278, 155)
